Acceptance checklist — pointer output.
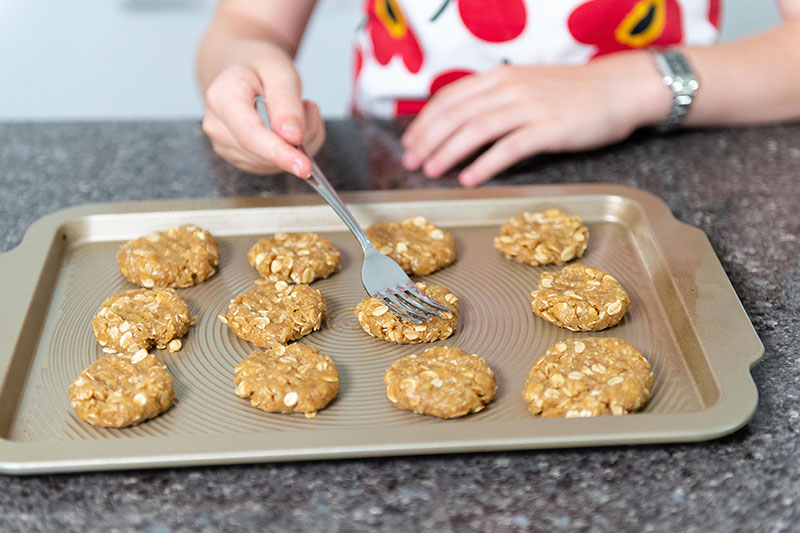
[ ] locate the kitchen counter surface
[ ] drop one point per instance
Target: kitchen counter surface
(741, 187)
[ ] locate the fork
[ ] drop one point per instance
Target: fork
(381, 276)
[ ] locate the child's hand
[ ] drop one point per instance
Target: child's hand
(237, 133)
(525, 110)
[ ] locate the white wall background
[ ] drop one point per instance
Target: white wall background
(117, 59)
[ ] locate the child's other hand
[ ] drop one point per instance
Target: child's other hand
(526, 110)
(239, 136)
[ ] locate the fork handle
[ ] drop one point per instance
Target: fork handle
(321, 184)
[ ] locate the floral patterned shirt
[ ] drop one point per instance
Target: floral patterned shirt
(408, 49)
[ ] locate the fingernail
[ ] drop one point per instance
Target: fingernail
(297, 169)
(467, 179)
(291, 129)
(431, 169)
(409, 161)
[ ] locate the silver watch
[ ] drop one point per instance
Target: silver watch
(677, 75)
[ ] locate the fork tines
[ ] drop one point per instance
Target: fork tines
(408, 302)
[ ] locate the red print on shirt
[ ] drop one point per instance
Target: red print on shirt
(495, 21)
(614, 25)
(413, 106)
(391, 34)
(714, 12)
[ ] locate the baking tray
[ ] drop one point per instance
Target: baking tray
(685, 318)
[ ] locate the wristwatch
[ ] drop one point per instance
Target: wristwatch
(680, 78)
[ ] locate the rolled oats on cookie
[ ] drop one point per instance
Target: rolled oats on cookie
(294, 257)
(378, 320)
(275, 313)
(287, 379)
(415, 244)
(442, 382)
(179, 257)
(543, 238)
(118, 391)
(137, 319)
(590, 376)
(580, 298)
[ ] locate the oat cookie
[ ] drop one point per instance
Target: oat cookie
(442, 382)
(275, 313)
(142, 318)
(543, 238)
(286, 379)
(580, 298)
(178, 257)
(415, 244)
(377, 320)
(118, 391)
(294, 257)
(591, 376)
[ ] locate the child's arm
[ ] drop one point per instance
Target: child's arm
(248, 50)
(525, 110)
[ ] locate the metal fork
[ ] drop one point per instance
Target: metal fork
(381, 276)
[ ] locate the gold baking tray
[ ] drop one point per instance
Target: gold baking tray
(686, 319)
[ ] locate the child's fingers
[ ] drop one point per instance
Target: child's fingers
(472, 135)
(315, 128)
(460, 94)
(230, 98)
(284, 107)
(446, 121)
(515, 146)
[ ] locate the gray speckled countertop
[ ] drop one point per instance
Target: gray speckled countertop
(741, 187)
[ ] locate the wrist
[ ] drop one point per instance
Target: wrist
(641, 95)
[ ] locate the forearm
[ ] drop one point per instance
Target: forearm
(238, 36)
(750, 81)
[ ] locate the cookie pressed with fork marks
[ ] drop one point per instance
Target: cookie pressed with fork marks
(287, 379)
(415, 244)
(275, 313)
(142, 318)
(118, 391)
(543, 238)
(178, 257)
(294, 257)
(580, 298)
(378, 320)
(591, 376)
(442, 382)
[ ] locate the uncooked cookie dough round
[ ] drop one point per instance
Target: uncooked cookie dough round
(415, 244)
(286, 379)
(591, 376)
(543, 238)
(179, 257)
(118, 391)
(294, 257)
(442, 382)
(378, 320)
(580, 298)
(142, 318)
(275, 313)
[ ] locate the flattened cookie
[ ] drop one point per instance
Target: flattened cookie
(118, 391)
(275, 313)
(543, 238)
(415, 244)
(591, 376)
(142, 318)
(286, 379)
(294, 257)
(442, 382)
(580, 298)
(377, 320)
(178, 257)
